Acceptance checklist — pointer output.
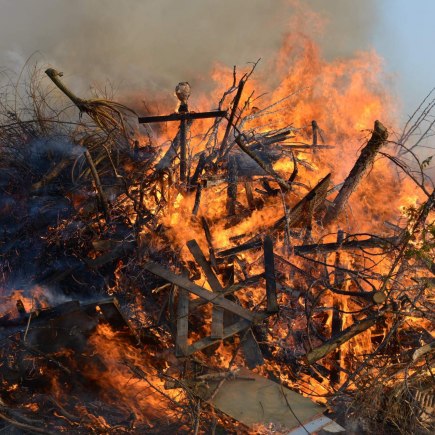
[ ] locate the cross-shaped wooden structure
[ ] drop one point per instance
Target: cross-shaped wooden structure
(183, 115)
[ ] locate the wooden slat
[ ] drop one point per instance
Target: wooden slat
(217, 320)
(180, 281)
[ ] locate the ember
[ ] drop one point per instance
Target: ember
(140, 281)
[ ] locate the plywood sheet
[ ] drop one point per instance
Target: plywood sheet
(261, 401)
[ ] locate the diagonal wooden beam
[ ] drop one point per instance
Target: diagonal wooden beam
(185, 283)
(217, 319)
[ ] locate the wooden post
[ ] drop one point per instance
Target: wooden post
(249, 195)
(269, 266)
(181, 343)
(217, 325)
(183, 149)
(232, 115)
(337, 320)
(197, 199)
(232, 186)
(315, 128)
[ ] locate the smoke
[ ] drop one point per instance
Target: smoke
(152, 45)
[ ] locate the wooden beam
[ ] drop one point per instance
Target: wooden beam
(185, 283)
(372, 242)
(182, 116)
(217, 321)
(251, 350)
(181, 343)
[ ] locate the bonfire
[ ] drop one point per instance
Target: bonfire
(149, 261)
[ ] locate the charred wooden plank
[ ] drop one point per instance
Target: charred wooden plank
(217, 312)
(269, 267)
(198, 171)
(182, 116)
(183, 150)
(372, 242)
(197, 199)
(249, 195)
(251, 350)
(181, 342)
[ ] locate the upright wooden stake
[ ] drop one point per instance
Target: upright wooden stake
(232, 186)
(183, 151)
(337, 318)
(269, 266)
(181, 343)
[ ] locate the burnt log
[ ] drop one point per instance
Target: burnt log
(344, 336)
(365, 160)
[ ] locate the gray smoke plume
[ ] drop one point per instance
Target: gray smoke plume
(154, 44)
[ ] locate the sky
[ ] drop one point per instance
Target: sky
(405, 38)
(153, 44)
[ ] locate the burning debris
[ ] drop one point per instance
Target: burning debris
(230, 248)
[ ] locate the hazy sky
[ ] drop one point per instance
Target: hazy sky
(153, 44)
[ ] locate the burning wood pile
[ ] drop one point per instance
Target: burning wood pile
(139, 279)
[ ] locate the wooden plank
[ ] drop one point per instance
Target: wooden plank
(183, 282)
(249, 195)
(269, 272)
(181, 343)
(183, 150)
(182, 116)
(217, 320)
(251, 350)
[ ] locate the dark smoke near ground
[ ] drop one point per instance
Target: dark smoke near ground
(152, 45)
